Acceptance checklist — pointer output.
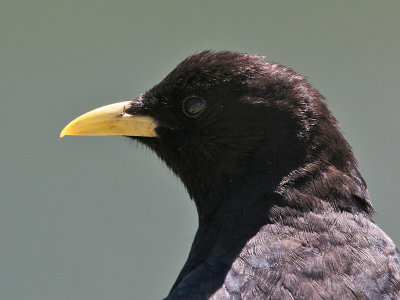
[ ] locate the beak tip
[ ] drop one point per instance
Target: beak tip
(63, 133)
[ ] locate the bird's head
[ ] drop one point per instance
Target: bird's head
(228, 123)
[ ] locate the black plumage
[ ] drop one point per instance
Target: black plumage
(283, 210)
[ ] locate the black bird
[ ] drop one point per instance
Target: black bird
(283, 210)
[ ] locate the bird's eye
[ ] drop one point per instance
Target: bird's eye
(193, 106)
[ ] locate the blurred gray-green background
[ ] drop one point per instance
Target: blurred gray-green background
(100, 218)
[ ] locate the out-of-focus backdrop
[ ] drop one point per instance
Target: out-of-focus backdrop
(99, 218)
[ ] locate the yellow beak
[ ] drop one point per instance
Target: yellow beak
(111, 120)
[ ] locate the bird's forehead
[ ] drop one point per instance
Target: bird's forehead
(185, 84)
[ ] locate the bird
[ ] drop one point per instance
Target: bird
(283, 212)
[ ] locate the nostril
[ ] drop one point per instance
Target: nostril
(134, 106)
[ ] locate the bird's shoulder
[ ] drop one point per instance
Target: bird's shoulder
(314, 256)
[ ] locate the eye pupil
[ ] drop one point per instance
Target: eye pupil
(193, 106)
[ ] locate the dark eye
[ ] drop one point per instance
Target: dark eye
(193, 106)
